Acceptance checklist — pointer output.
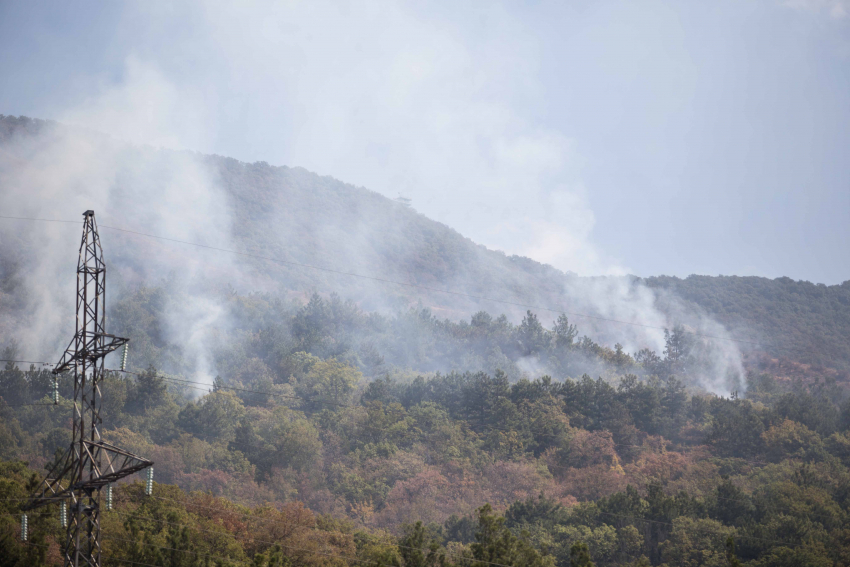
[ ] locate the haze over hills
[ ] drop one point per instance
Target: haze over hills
(292, 215)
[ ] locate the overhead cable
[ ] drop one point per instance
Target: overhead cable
(403, 284)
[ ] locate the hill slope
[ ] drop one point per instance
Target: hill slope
(806, 322)
(292, 215)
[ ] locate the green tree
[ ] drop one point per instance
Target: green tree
(678, 345)
(418, 549)
(215, 417)
(531, 334)
(736, 428)
(377, 550)
(541, 510)
(14, 388)
(328, 383)
(294, 438)
(580, 556)
(565, 333)
(730, 505)
(272, 557)
(696, 543)
(497, 544)
(731, 555)
(149, 391)
(792, 440)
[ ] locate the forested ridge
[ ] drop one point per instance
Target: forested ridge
(347, 422)
(293, 215)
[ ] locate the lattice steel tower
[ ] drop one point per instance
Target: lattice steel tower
(90, 463)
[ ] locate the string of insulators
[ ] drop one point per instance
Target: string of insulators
(24, 527)
(55, 391)
(108, 497)
(149, 482)
(63, 514)
(124, 356)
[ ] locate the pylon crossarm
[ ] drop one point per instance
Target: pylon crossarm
(112, 454)
(119, 464)
(102, 350)
(51, 487)
(67, 359)
(92, 352)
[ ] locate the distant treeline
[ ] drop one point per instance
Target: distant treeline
(802, 321)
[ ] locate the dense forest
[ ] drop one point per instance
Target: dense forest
(301, 416)
(317, 445)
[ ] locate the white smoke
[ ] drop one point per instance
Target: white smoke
(62, 172)
(630, 313)
(435, 119)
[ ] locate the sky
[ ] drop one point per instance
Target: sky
(600, 137)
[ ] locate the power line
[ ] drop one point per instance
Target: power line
(610, 514)
(206, 388)
(404, 284)
(218, 558)
(775, 542)
(489, 428)
(28, 361)
(548, 465)
(333, 271)
(42, 220)
(128, 561)
(447, 552)
(22, 405)
(419, 286)
(251, 517)
(312, 551)
(350, 558)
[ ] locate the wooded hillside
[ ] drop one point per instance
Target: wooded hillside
(292, 215)
(305, 417)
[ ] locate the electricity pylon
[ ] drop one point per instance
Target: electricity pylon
(89, 463)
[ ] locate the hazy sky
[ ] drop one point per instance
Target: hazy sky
(601, 137)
